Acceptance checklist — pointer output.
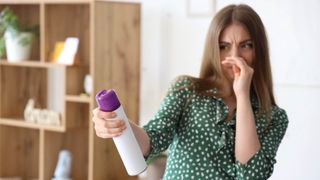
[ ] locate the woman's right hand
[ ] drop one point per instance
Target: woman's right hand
(106, 124)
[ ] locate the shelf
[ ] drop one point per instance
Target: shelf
(67, 1)
(63, 1)
(35, 64)
(109, 43)
(45, 1)
(79, 99)
(23, 124)
(18, 2)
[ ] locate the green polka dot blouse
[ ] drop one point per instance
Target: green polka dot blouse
(201, 144)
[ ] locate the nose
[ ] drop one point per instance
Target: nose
(234, 51)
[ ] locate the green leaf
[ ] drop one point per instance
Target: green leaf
(26, 40)
(2, 47)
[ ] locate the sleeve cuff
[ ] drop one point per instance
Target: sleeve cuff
(258, 167)
(155, 149)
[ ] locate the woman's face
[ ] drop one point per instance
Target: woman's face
(235, 41)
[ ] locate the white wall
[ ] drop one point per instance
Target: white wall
(172, 44)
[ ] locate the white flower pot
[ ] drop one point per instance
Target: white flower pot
(17, 52)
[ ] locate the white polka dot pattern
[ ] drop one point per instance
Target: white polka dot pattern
(201, 143)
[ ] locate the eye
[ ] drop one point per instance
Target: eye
(247, 45)
(223, 46)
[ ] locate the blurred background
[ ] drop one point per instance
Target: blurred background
(173, 34)
(137, 47)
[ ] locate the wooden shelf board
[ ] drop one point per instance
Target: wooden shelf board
(35, 64)
(19, 2)
(24, 124)
(67, 1)
(80, 99)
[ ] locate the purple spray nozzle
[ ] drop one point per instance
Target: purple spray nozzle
(108, 100)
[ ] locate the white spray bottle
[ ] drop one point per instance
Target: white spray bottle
(126, 143)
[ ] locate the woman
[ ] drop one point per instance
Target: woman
(224, 124)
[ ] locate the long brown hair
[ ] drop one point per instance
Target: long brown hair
(211, 73)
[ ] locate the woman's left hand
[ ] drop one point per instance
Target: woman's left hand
(242, 75)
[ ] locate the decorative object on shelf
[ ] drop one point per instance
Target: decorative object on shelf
(57, 51)
(41, 116)
(63, 169)
(69, 51)
(88, 84)
(15, 41)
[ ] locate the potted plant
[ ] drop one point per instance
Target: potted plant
(15, 41)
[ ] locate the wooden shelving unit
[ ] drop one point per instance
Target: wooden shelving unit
(79, 99)
(109, 50)
(24, 124)
(33, 64)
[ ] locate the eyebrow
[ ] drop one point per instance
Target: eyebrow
(242, 42)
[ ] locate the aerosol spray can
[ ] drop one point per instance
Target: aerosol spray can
(126, 143)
